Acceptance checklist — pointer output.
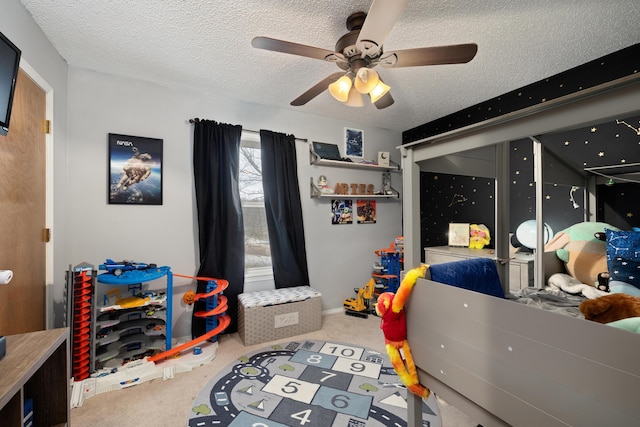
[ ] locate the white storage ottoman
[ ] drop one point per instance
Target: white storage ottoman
(279, 313)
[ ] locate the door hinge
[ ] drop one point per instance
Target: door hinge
(46, 126)
(46, 235)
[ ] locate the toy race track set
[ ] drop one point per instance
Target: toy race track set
(384, 278)
(127, 339)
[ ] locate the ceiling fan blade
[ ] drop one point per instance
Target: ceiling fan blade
(381, 18)
(384, 102)
(316, 90)
(454, 54)
(276, 45)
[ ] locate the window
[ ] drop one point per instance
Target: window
(256, 236)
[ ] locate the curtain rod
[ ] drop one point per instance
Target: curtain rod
(249, 130)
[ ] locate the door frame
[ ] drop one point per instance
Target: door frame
(49, 140)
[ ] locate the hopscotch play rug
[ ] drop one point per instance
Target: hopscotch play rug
(306, 384)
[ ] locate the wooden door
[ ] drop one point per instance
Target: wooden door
(22, 211)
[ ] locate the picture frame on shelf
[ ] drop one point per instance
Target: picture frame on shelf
(135, 170)
(459, 234)
(354, 142)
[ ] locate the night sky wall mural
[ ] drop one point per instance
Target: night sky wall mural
(602, 70)
(453, 198)
(607, 152)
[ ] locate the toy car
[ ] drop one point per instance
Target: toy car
(221, 398)
(117, 268)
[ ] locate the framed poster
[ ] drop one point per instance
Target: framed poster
(353, 142)
(135, 170)
(458, 234)
(366, 211)
(341, 211)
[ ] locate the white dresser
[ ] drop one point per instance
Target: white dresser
(520, 264)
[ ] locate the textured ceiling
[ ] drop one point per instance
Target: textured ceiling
(206, 45)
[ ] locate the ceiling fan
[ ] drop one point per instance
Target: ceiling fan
(360, 50)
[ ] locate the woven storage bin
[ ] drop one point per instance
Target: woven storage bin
(262, 323)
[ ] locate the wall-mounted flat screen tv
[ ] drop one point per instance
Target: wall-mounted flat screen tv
(9, 64)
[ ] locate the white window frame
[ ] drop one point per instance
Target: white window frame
(256, 274)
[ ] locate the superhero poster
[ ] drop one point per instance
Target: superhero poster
(366, 211)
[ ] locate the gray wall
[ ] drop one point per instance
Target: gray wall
(88, 105)
(340, 256)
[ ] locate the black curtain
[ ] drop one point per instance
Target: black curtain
(216, 148)
(283, 209)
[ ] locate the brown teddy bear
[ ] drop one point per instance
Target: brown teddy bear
(612, 307)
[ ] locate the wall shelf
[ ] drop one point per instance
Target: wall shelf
(317, 193)
(315, 159)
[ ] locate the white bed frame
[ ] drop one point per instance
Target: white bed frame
(501, 362)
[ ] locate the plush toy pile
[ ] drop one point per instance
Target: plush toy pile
(603, 265)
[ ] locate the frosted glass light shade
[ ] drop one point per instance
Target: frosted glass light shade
(355, 98)
(340, 88)
(379, 91)
(366, 80)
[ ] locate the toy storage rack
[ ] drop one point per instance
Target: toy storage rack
(131, 318)
(390, 267)
(80, 318)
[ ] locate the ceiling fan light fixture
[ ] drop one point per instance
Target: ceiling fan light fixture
(355, 98)
(379, 91)
(366, 80)
(340, 88)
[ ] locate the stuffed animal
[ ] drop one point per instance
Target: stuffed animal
(584, 255)
(390, 307)
(478, 236)
(610, 308)
(631, 324)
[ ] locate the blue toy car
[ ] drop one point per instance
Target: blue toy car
(117, 268)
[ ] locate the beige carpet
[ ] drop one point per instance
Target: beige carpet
(168, 403)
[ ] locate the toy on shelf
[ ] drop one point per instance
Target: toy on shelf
(113, 299)
(323, 185)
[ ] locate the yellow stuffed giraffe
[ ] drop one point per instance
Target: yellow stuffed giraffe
(390, 307)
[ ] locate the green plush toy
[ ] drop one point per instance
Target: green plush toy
(584, 255)
(631, 324)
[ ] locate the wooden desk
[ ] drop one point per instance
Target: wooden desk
(36, 366)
